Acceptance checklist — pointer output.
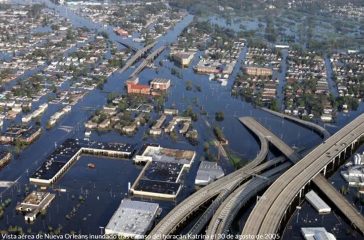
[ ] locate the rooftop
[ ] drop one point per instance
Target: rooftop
(169, 155)
(160, 80)
(69, 148)
(132, 218)
(208, 172)
(35, 198)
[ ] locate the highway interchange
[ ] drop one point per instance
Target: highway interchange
(234, 190)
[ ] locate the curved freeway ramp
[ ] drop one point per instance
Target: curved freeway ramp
(228, 210)
(315, 127)
(269, 212)
(182, 211)
(286, 150)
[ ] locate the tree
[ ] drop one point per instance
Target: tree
(219, 116)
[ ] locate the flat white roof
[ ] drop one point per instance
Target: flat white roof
(170, 155)
(317, 233)
(132, 218)
(207, 172)
(317, 202)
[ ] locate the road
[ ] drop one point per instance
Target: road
(148, 60)
(191, 204)
(315, 127)
(136, 56)
(269, 212)
(225, 214)
(286, 150)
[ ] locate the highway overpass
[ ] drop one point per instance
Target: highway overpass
(228, 210)
(136, 56)
(271, 209)
(315, 127)
(286, 150)
(148, 60)
(178, 215)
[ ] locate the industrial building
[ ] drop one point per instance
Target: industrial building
(317, 202)
(133, 219)
(208, 172)
(70, 151)
(34, 203)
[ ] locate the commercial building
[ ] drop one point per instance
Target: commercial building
(183, 58)
(208, 172)
(159, 180)
(133, 219)
(317, 202)
(160, 84)
(162, 173)
(138, 89)
(34, 203)
(153, 152)
(70, 151)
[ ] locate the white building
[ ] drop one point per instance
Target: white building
(314, 233)
(317, 202)
(208, 172)
(133, 219)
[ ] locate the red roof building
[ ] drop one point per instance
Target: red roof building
(138, 89)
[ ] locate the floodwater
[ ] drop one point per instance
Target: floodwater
(103, 188)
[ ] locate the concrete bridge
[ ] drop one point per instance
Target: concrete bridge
(286, 150)
(315, 127)
(178, 215)
(136, 56)
(228, 210)
(269, 213)
(148, 60)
